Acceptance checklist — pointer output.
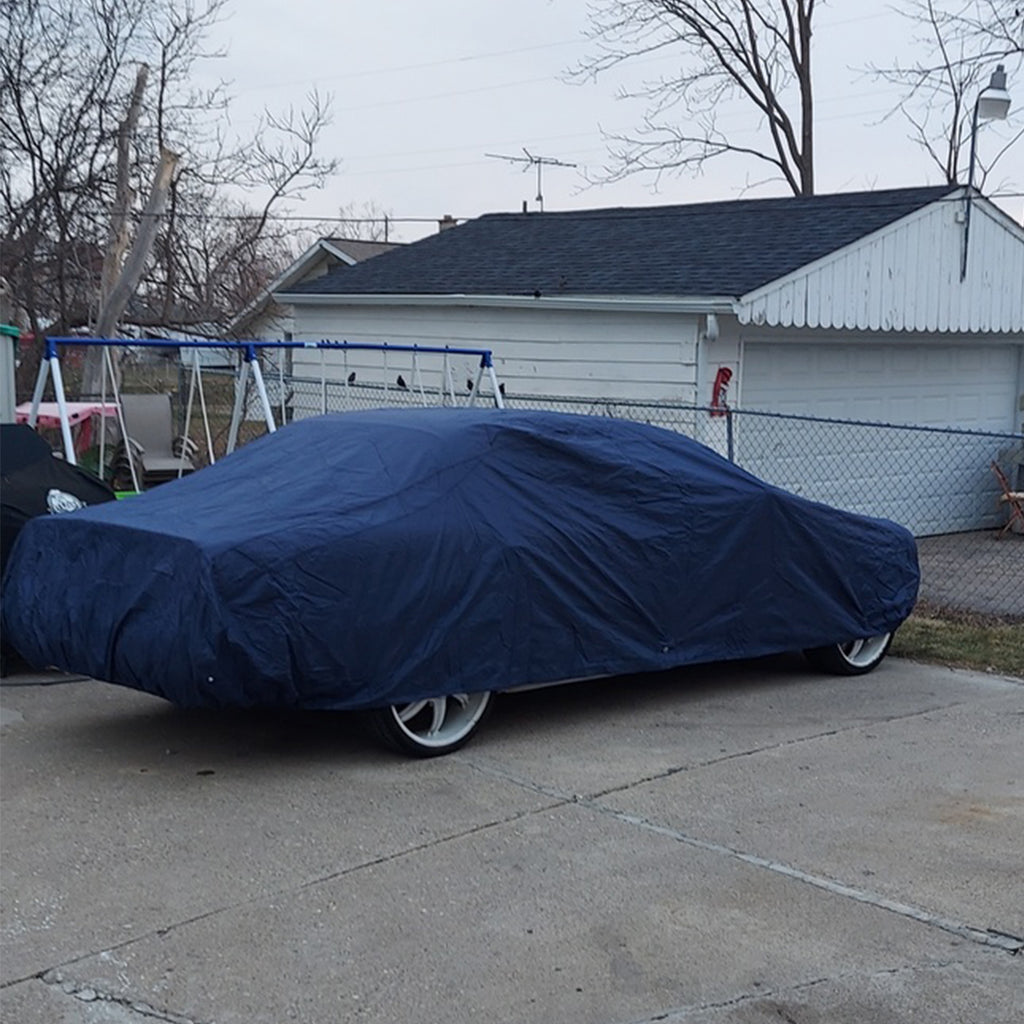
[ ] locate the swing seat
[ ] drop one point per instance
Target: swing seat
(157, 453)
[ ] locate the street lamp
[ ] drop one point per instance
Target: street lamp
(992, 104)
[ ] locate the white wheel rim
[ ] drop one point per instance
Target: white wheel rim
(861, 653)
(439, 721)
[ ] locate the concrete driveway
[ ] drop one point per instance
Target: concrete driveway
(745, 843)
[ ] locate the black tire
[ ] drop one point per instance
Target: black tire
(853, 658)
(432, 727)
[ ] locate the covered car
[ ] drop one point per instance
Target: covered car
(414, 561)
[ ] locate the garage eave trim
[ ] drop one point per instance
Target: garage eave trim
(607, 303)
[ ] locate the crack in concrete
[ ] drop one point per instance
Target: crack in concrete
(88, 993)
(498, 771)
(982, 936)
(769, 747)
(680, 1013)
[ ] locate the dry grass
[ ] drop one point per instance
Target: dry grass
(962, 640)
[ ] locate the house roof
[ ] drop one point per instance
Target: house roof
(707, 249)
(355, 250)
(344, 251)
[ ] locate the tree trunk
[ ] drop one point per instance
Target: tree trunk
(118, 235)
(124, 196)
(806, 102)
(128, 280)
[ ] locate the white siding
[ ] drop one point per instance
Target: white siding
(274, 323)
(590, 354)
(907, 278)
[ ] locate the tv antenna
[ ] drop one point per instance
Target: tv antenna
(540, 162)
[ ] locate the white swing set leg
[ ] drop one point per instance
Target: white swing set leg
(499, 400)
(251, 364)
(101, 466)
(476, 386)
(416, 384)
(108, 368)
(50, 363)
(261, 390)
(37, 393)
(188, 412)
(236, 411)
(211, 455)
(447, 382)
(323, 381)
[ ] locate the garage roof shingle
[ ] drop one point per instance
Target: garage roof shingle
(707, 249)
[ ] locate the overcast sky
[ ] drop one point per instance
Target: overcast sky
(424, 89)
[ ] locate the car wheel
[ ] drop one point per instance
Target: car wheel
(431, 727)
(853, 658)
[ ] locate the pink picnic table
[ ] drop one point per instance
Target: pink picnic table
(80, 414)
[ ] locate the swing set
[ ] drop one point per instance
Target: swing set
(408, 357)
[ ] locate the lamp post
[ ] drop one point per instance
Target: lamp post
(993, 103)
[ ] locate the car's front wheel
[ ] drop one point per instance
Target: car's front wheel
(853, 658)
(431, 727)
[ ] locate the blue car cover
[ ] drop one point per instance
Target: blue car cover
(363, 559)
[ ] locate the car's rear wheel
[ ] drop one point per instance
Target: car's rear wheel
(431, 727)
(853, 658)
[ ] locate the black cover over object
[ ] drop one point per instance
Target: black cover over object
(31, 476)
(35, 483)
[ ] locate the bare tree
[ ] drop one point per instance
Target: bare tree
(366, 222)
(216, 253)
(756, 51)
(960, 42)
(369, 222)
(112, 156)
(56, 101)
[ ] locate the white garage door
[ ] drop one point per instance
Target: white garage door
(933, 481)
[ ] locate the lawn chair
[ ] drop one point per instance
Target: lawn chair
(1014, 502)
(151, 445)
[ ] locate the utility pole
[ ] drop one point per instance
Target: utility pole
(533, 161)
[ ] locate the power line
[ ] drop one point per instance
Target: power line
(448, 61)
(428, 97)
(613, 213)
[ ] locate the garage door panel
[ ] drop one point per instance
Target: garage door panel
(933, 481)
(906, 377)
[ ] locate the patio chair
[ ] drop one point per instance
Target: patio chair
(1014, 502)
(151, 444)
